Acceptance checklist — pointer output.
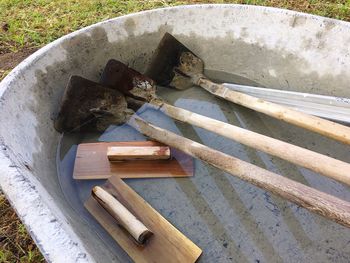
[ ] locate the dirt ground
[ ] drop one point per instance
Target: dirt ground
(9, 60)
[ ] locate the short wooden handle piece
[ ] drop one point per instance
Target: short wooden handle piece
(125, 153)
(123, 216)
(316, 201)
(322, 126)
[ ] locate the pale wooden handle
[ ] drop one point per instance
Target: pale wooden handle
(123, 216)
(317, 162)
(316, 201)
(325, 127)
(328, 107)
(124, 153)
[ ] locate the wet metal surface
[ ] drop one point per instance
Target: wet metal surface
(230, 220)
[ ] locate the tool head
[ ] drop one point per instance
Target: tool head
(174, 65)
(88, 106)
(137, 88)
(117, 75)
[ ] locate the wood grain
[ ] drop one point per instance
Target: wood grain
(322, 164)
(122, 215)
(128, 153)
(166, 245)
(92, 163)
(327, 128)
(316, 201)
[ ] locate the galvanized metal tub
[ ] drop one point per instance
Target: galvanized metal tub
(276, 48)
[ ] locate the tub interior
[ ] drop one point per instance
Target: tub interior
(229, 219)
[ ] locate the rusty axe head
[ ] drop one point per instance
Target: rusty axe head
(174, 65)
(137, 88)
(85, 102)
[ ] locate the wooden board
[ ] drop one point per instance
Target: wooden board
(92, 163)
(166, 245)
(127, 153)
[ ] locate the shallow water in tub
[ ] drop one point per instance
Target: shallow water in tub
(230, 220)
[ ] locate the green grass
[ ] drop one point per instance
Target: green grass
(34, 23)
(38, 22)
(3, 74)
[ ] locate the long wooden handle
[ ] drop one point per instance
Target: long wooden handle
(316, 201)
(317, 162)
(328, 107)
(123, 216)
(325, 127)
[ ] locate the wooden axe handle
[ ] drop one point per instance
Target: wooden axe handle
(322, 126)
(314, 161)
(316, 201)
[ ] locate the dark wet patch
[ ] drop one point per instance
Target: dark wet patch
(130, 26)
(297, 20)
